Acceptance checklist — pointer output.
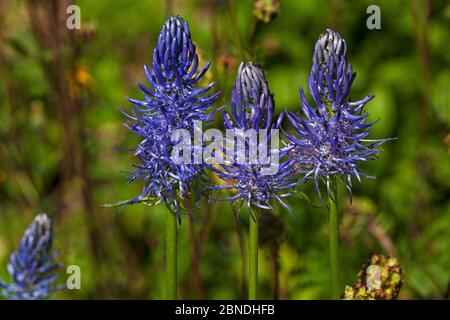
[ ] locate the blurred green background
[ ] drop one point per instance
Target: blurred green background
(61, 93)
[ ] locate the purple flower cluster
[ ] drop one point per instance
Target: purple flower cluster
(331, 137)
(32, 267)
(174, 101)
(252, 107)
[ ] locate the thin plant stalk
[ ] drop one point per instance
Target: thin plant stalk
(274, 254)
(253, 256)
(195, 247)
(244, 256)
(236, 29)
(334, 240)
(171, 257)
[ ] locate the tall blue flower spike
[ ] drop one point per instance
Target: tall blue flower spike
(174, 101)
(252, 107)
(331, 137)
(32, 267)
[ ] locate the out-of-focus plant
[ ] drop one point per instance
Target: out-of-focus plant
(266, 10)
(272, 235)
(33, 267)
(359, 218)
(379, 279)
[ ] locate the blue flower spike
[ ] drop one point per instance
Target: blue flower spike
(174, 100)
(252, 107)
(331, 137)
(32, 267)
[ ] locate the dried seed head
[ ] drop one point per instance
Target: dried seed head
(379, 279)
(266, 10)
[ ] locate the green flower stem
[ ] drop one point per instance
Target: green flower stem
(171, 256)
(253, 256)
(334, 240)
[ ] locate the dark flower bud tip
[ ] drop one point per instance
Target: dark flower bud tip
(330, 45)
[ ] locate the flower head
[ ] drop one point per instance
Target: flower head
(266, 10)
(252, 107)
(332, 136)
(32, 267)
(174, 101)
